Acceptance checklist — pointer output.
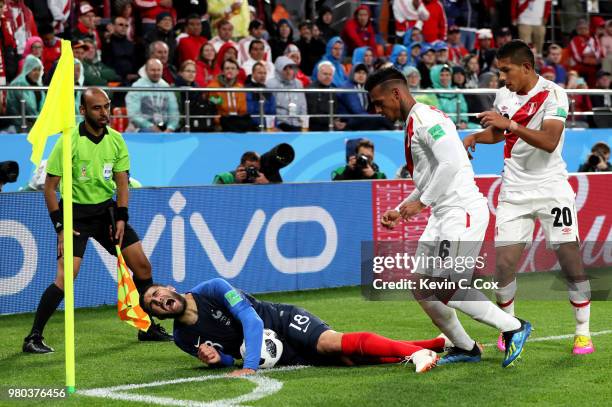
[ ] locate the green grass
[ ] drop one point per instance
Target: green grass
(108, 354)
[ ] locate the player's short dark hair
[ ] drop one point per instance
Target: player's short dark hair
(600, 147)
(147, 308)
(364, 143)
(258, 64)
(384, 75)
(255, 24)
(306, 23)
(249, 156)
(518, 51)
(231, 61)
(193, 16)
(255, 42)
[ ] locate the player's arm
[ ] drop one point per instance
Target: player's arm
(242, 310)
(207, 354)
(490, 135)
(547, 138)
(121, 180)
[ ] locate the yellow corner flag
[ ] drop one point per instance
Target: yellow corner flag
(128, 305)
(57, 114)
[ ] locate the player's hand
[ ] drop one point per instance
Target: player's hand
(241, 174)
(119, 232)
(242, 372)
(390, 219)
(470, 144)
(60, 242)
(493, 119)
(409, 209)
(208, 354)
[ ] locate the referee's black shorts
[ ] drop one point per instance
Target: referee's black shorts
(94, 221)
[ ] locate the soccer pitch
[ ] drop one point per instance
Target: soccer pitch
(108, 355)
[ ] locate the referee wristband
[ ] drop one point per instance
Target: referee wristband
(57, 220)
(122, 213)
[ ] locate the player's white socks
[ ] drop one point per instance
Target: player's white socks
(483, 310)
(445, 318)
(580, 298)
(505, 297)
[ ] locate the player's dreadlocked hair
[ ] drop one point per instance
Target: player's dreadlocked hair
(518, 51)
(382, 76)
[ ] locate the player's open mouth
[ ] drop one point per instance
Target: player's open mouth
(169, 303)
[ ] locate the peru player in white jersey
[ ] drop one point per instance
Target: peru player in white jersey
(444, 181)
(529, 115)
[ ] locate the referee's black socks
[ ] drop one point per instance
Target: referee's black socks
(50, 300)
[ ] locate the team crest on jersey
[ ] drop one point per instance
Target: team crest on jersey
(533, 106)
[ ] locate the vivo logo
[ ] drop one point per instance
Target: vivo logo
(229, 265)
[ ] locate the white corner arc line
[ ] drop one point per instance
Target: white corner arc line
(265, 386)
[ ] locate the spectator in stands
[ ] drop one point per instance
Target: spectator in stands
(325, 23)
(33, 46)
(334, 53)
(154, 111)
(413, 76)
(413, 35)
(482, 103)
(60, 12)
(359, 30)
(22, 23)
(118, 52)
(95, 71)
(184, 9)
(365, 56)
(293, 52)
(598, 160)
(428, 60)
(225, 32)
(234, 11)
(264, 10)
(257, 53)
(231, 106)
(502, 37)
(358, 103)
(86, 27)
(124, 9)
(603, 82)
(578, 102)
(287, 104)
(606, 44)
(485, 52)
(52, 46)
(434, 28)
(360, 166)
(189, 44)
(441, 79)
(472, 71)
(282, 38)
(548, 73)
(257, 79)
(459, 79)
(8, 52)
(531, 16)
(318, 103)
(312, 48)
(206, 65)
(553, 59)
(163, 32)
(457, 50)
(257, 31)
(159, 50)
(441, 49)
(229, 51)
(586, 52)
(399, 57)
(31, 75)
(409, 14)
(149, 14)
(247, 172)
(414, 54)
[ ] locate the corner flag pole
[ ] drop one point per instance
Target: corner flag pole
(58, 116)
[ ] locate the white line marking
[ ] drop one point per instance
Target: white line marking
(265, 386)
(556, 337)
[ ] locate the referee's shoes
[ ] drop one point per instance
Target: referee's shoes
(155, 333)
(34, 343)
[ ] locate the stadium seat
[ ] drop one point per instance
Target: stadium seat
(119, 120)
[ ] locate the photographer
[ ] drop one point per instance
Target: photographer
(598, 159)
(361, 165)
(248, 172)
(9, 171)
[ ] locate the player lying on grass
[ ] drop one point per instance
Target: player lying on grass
(212, 320)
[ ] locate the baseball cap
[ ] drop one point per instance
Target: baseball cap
(602, 73)
(162, 15)
(425, 48)
(454, 29)
(503, 32)
(547, 69)
(440, 45)
(85, 8)
(484, 33)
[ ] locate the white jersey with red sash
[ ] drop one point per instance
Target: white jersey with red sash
(525, 166)
(437, 160)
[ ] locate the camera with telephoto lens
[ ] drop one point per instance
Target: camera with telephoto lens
(9, 171)
(594, 160)
(278, 157)
(251, 173)
(362, 161)
(161, 126)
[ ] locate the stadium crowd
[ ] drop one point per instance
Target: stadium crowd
(237, 44)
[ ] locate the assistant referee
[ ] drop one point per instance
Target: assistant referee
(100, 165)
